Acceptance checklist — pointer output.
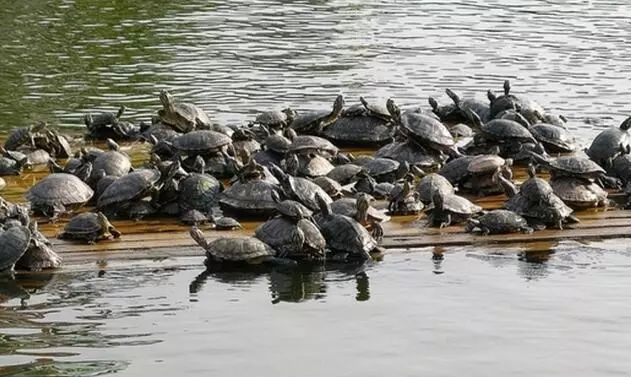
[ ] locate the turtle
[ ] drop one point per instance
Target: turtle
(198, 191)
(449, 209)
(312, 165)
(315, 122)
(307, 144)
(482, 170)
(446, 113)
(554, 139)
(139, 209)
(423, 129)
(403, 200)
(13, 244)
(344, 234)
(58, 193)
(621, 168)
(330, 186)
(89, 227)
(359, 130)
(579, 193)
(244, 142)
(103, 124)
(351, 208)
(575, 166)
(386, 170)
(376, 109)
(202, 142)
(39, 255)
(503, 102)
(242, 250)
(498, 221)
(183, 117)
(610, 143)
(480, 108)
(194, 217)
(554, 119)
(252, 197)
(9, 166)
(23, 135)
(225, 223)
(54, 143)
(291, 209)
(345, 174)
(431, 183)
(515, 116)
(412, 153)
(504, 132)
(455, 171)
(535, 189)
(276, 119)
(295, 239)
(3, 184)
(38, 157)
(300, 189)
(112, 163)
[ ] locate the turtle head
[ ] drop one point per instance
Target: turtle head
(199, 165)
(491, 96)
(40, 126)
(626, 124)
(325, 208)
(198, 236)
(532, 171)
(338, 105)
(120, 112)
(394, 110)
(454, 97)
(437, 199)
(291, 115)
(105, 225)
(290, 134)
(166, 99)
(112, 145)
(506, 87)
(434, 104)
(474, 118)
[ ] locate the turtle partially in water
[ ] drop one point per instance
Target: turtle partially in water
(13, 244)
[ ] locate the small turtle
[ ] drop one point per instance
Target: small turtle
(554, 139)
(482, 170)
(501, 103)
(579, 193)
(194, 217)
(13, 244)
(316, 121)
(456, 170)
(38, 157)
(276, 119)
(90, 227)
(113, 162)
(377, 110)
(611, 143)
(183, 117)
(535, 189)
(245, 250)
(506, 133)
(252, 197)
(357, 209)
(313, 165)
(431, 183)
(244, 142)
(9, 166)
(300, 189)
(386, 170)
(104, 125)
(203, 142)
(306, 144)
(291, 209)
(198, 191)
(21, 136)
(330, 186)
(58, 193)
(345, 174)
(499, 221)
(446, 210)
(226, 223)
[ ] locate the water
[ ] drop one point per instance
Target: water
(477, 312)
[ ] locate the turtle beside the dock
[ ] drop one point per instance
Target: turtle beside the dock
(90, 227)
(39, 255)
(499, 221)
(448, 209)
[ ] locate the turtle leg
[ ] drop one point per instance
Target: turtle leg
(527, 230)
(485, 231)
(377, 232)
(446, 221)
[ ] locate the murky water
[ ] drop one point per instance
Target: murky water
(476, 312)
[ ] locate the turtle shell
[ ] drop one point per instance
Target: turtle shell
(330, 186)
(427, 130)
(348, 207)
(359, 130)
(457, 169)
(578, 193)
(431, 183)
(293, 209)
(280, 232)
(201, 142)
(13, 244)
(344, 174)
(458, 205)
(306, 193)
(609, 143)
(38, 157)
(238, 249)
(83, 225)
(577, 166)
(535, 188)
(278, 143)
(252, 197)
(182, 116)
(502, 130)
(227, 223)
(485, 164)
(381, 166)
(271, 118)
(343, 233)
(62, 188)
(132, 186)
(198, 191)
(554, 138)
(501, 221)
(314, 166)
(114, 163)
(304, 144)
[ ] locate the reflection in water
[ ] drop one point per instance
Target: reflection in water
(52, 368)
(534, 263)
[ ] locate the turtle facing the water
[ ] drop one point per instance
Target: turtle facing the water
(90, 227)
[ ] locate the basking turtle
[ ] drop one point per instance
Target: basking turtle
(482, 170)
(113, 162)
(412, 153)
(306, 144)
(455, 171)
(252, 197)
(403, 200)
(480, 108)
(579, 193)
(276, 119)
(106, 125)
(183, 117)
(21, 136)
(431, 183)
(360, 130)
(611, 143)
(293, 239)
(344, 234)
(331, 187)
(291, 209)
(38, 157)
(554, 139)
(509, 134)
(312, 165)
(423, 129)
(58, 193)
(244, 142)
(446, 113)
(499, 221)
(10, 166)
(225, 223)
(535, 189)
(575, 166)
(194, 217)
(90, 227)
(244, 250)
(300, 189)
(386, 170)
(361, 210)
(39, 255)
(316, 121)
(198, 191)
(448, 209)
(13, 244)
(203, 142)
(503, 102)
(54, 143)
(345, 174)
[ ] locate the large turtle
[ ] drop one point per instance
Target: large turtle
(611, 143)
(13, 244)
(315, 121)
(183, 117)
(431, 183)
(252, 197)
(243, 250)
(300, 189)
(113, 162)
(202, 142)
(58, 193)
(299, 239)
(499, 221)
(89, 227)
(39, 255)
(554, 138)
(579, 193)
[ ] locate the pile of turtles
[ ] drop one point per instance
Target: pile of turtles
(285, 167)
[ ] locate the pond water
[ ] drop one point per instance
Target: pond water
(476, 312)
